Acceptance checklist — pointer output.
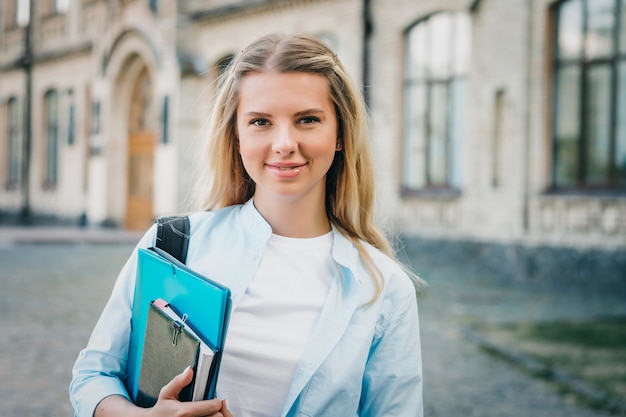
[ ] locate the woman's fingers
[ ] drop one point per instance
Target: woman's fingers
(180, 381)
(168, 399)
(225, 411)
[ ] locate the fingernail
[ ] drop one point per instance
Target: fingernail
(186, 369)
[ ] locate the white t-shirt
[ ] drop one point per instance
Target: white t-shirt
(272, 323)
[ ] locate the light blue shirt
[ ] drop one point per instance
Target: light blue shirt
(362, 360)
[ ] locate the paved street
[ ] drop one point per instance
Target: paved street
(51, 298)
(53, 293)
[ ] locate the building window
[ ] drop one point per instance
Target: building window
(15, 144)
(71, 110)
(52, 138)
(165, 117)
(61, 6)
(95, 118)
(16, 13)
(436, 66)
(589, 122)
(154, 6)
(22, 12)
(53, 7)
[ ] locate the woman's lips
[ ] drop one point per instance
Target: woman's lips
(286, 170)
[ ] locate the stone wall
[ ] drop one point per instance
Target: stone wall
(537, 266)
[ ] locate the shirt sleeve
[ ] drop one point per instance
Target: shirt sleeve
(100, 368)
(392, 382)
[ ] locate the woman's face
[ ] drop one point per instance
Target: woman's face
(287, 135)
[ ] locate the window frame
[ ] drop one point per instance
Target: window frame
(52, 136)
(455, 109)
(14, 144)
(580, 181)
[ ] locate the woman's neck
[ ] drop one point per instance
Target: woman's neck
(294, 219)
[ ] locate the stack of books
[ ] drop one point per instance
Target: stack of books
(180, 319)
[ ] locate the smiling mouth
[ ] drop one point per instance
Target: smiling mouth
(286, 168)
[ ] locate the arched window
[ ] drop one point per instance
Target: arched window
(22, 13)
(436, 64)
(140, 115)
(589, 95)
(15, 144)
(51, 105)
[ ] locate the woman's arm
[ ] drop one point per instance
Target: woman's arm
(392, 382)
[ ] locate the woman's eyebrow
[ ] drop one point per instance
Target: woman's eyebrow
(309, 111)
(256, 114)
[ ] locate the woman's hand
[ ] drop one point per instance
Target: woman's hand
(167, 404)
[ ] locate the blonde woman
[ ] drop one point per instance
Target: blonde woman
(324, 319)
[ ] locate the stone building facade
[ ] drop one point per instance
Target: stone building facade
(493, 121)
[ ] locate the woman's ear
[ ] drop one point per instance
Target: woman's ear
(338, 146)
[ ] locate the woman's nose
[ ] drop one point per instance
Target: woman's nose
(285, 141)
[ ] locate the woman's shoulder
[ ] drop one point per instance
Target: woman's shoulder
(396, 278)
(203, 216)
(386, 263)
(399, 279)
(235, 219)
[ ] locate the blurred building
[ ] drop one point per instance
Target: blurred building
(499, 121)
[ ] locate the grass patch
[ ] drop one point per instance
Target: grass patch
(607, 333)
(592, 351)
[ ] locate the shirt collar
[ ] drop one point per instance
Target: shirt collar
(255, 223)
(344, 252)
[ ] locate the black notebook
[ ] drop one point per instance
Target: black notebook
(170, 346)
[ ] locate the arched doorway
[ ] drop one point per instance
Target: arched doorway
(141, 147)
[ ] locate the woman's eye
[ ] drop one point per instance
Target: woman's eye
(309, 119)
(259, 122)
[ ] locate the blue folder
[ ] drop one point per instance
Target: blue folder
(206, 303)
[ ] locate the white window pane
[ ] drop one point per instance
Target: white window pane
(52, 137)
(23, 12)
(462, 43)
(61, 6)
(620, 146)
(440, 45)
(418, 52)
(598, 118)
(458, 129)
(600, 24)
(438, 136)
(570, 23)
(567, 109)
(415, 142)
(15, 145)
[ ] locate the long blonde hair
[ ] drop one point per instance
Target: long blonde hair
(350, 179)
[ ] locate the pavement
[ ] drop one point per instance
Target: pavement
(462, 295)
(56, 280)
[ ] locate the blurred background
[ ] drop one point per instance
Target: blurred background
(499, 135)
